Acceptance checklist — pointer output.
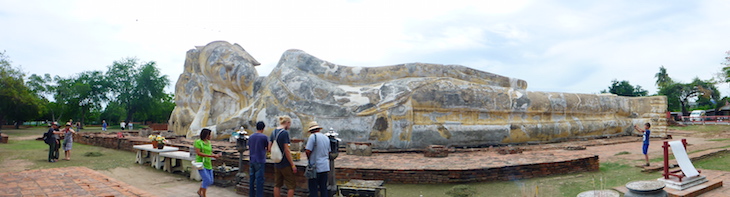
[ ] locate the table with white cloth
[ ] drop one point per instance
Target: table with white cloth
(147, 153)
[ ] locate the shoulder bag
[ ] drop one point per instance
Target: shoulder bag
(311, 171)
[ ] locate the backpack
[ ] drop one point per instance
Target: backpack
(48, 137)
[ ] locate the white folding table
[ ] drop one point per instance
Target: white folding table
(179, 156)
(147, 153)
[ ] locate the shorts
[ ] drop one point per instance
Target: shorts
(284, 176)
(645, 148)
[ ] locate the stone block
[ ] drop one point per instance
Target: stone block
(436, 151)
(359, 148)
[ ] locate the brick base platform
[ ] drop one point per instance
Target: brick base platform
(463, 167)
(69, 181)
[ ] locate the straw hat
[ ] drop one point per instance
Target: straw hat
(313, 126)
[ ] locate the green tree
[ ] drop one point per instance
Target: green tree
(662, 78)
(82, 93)
(624, 88)
(17, 102)
(679, 94)
(674, 92)
(113, 113)
(708, 96)
(136, 88)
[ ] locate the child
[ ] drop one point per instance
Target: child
(645, 147)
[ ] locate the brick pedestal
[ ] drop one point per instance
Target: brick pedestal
(4, 138)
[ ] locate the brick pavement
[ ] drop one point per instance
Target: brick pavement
(68, 181)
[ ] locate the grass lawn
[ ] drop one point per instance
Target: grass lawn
(718, 162)
(710, 129)
(610, 175)
(36, 153)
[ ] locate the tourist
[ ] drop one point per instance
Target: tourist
(103, 125)
(68, 141)
(318, 149)
(647, 134)
(258, 145)
(204, 153)
(51, 138)
(284, 170)
(130, 125)
(78, 126)
(121, 125)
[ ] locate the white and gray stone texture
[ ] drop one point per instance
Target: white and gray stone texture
(405, 106)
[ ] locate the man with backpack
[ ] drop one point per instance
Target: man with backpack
(51, 138)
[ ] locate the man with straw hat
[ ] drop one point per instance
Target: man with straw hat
(318, 150)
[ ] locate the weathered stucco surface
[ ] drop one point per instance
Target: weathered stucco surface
(401, 106)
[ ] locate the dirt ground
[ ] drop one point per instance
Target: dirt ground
(164, 184)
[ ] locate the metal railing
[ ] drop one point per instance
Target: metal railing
(706, 120)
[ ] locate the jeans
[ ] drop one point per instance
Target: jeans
(53, 151)
(318, 185)
(207, 175)
(256, 179)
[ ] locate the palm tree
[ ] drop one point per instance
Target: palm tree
(662, 78)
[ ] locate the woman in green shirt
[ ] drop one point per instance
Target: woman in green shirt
(204, 153)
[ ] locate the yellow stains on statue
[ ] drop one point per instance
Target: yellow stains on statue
(443, 131)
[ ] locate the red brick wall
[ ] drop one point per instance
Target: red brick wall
(107, 141)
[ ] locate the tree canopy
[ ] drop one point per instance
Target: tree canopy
(679, 95)
(127, 91)
(138, 88)
(624, 88)
(662, 78)
(17, 101)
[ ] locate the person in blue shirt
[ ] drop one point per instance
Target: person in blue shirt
(103, 125)
(647, 134)
(258, 144)
(318, 150)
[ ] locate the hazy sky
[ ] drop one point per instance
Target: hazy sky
(559, 46)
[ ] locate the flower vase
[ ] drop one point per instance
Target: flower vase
(160, 146)
(154, 144)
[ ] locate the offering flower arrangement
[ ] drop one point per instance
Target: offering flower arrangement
(158, 138)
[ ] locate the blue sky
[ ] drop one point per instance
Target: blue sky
(557, 46)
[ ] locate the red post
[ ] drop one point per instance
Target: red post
(666, 159)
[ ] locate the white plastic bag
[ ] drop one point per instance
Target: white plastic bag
(276, 154)
(197, 165)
